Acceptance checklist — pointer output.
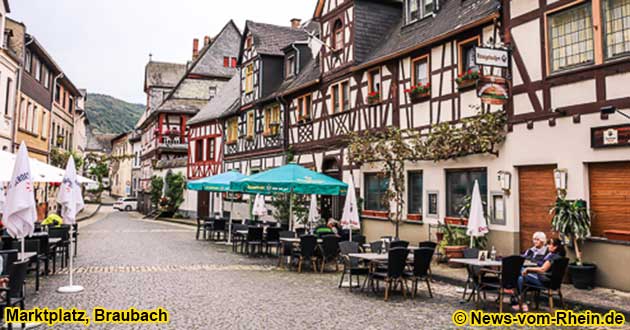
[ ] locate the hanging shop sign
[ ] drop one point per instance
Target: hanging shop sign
(494, 57)
(610, 136)
(493, 90)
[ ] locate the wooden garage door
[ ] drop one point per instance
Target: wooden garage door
(610, 196)
(537, 194)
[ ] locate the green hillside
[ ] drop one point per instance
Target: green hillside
(110, 115)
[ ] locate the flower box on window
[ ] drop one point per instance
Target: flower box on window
(374, 98)
(367, 213)
(456, 221)
(419, 93)
(380, 214)
(467, 80)
(414, 217)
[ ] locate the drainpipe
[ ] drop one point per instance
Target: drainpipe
(297, 60)
(52, 105)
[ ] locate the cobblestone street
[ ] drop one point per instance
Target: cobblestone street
(125, 261)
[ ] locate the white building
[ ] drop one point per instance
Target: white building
(9, 72)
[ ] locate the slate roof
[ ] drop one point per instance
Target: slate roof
(453, 14)
(270, 39)
(162, 74)
(226, 43)
(227, 98)
(181, 105)
(373, 20)
(99, 142)
(310, 74)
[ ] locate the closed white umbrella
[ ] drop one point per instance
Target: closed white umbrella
(2, 198)
(350, 216)
(313, 212)
(71, 202)
(260, 209)
(20, 210)
(477, 224)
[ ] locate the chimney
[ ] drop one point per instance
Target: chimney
(195, 49)
(295, 23)
(206, 41)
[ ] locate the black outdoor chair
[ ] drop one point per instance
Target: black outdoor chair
(552, 283)
(45, 252)
(272, 239)
(14, 292)
(421, 270)
(307, 250)
(61, 248)
(428, 244)
(30, 245)
(351, 266)
(236, 237)
(218, 229)
(395, 244)
(397, 260)
(300, 231)
(507, 278)
(330, 251)
(287, 234)
(254, 240)
(376, 246)
(204, 224)
(359, 239)
(8, 258)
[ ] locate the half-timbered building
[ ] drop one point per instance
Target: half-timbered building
(205, 146)
(165, 133)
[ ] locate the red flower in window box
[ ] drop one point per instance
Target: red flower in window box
(374, 98)
(156, 131)
(419, 92)
(467, 79)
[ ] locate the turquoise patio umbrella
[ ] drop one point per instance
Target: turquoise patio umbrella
(290, 179)
(218, 183)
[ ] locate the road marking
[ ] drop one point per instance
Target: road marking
(165, 269)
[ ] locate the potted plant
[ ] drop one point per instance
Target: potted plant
(572, 220)
(454, 242)
(374, 98)
(467, 79)
(419, 92)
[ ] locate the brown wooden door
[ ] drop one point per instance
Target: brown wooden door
(610, 196)
(537, 194)
(203, 204)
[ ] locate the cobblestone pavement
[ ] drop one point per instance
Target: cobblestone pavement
(125, 261)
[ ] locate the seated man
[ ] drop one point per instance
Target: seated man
(329, 229)
(537, 252)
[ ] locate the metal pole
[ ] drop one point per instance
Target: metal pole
(71, 256)
(231, 217)
(291, 224)
(22, 243)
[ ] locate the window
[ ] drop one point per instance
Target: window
(571, 37)
(28, 60)
(374, 81)
(70, 104)
(375, 188)
(290, 70)
(467, 55)
(338, 35)
(232, 130)
(36, 120)
(234, 62)
(617, 27)
(211, 147)
(212, 91)
(250, 124)
(57, 93)
(37, 70)
(459, 185)
(46, 77)
(304, 103)
(420, 70)
(7, 99)
(249, 79)
(44, 124)
(272, 120)
(23, 113)
(249, 42)
(199, 151)
(417, 9)
(341, 97)
(226, 62)
(414, 193)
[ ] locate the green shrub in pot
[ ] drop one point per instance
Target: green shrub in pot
(572, 219)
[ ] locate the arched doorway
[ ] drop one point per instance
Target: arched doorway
(332, 206)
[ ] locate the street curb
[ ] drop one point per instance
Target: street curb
(177, 221)
(90, 215)
(592, 307)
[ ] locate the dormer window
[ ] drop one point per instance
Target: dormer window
(290, 66)
(338, 35)
(418, 9)
(249, 42)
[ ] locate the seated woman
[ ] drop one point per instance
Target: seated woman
(537, 252)
(329, 229)
(536, 275)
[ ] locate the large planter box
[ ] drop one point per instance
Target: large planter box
(456, 221)
(380, 214)
(419, 97)
(414, 217)
(454, 252)
(467, 84)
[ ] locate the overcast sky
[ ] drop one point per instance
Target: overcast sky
(104, 45)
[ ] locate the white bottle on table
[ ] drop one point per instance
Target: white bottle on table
(493, 254)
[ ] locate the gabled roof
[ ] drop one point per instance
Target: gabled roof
(228, 96)
(162, 74)
(98, 142)
(452, 16)
(270, 39)
(226, 42)
(174, 105)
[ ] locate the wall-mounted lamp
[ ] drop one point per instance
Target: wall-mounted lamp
(505, 180)
(560, 178)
